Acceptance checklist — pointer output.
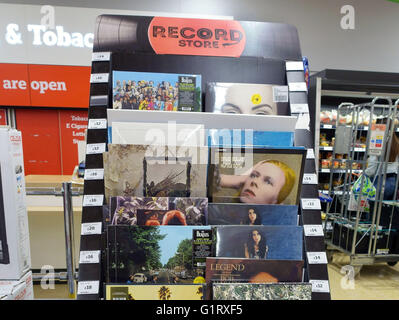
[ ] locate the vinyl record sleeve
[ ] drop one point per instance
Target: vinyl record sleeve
(260, 242)
(255, 214)
(156, 91)
(155, 254)
(154, 292)
(255, 175)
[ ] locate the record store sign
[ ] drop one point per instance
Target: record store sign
(200, 37)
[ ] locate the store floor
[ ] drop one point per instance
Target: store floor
(376, 282)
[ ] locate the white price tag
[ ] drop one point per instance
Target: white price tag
(101, 56)
(313, 230)
(294, 66)
(90, 256)
(327, 126)
(309, 178)
(99, 78)
(299, 108)
(280, 94)
(95, 148)
(297, 86)
(310, 154)
(93, 200)
(320, 286)
(317, 258)
(311, 204)
(91, 228)
(97, 124)
(94, 174)
(88, 287)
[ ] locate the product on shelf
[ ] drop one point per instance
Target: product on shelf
(259, 242)
(256, 176)
(155, 171)
(157, 254)
(247, 98)
(157, 211)
(155, 292)
(245, 214)
(253, 271)
(156, 91)
(262, 291)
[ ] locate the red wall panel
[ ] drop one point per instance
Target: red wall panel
(41, 140)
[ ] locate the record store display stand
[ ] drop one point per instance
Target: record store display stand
(223, 51)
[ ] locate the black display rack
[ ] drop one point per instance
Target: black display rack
(243, 51)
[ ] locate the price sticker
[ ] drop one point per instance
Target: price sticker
(94, 174)
(309, 178)
(313, 230)
(297, 86)
(327, 126)
(99, 78)
(95, 148)
(93, 200)
(88, 287)
(90, 256)
(97, 124)
(317, 257)
(320, 286)
(294, 66)
(101, 56)
(299, 108)
(91, 228)
(280, 94)
(311, 204)
(310, 154)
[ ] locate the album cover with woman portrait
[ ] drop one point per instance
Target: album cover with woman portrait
(155, 171)
(256, 176)
(247, 98)
(260, 242)
(252, 214)
(156, 211)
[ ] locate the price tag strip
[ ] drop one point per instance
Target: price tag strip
(93, 200)
(320, 286)
(95, 148)
(294, 66)
(309, 178)
(317, 257)
(90, 256)
(299, 108)
(99, 78)
(297, 87)
(97, 124)
(88, 287)
(313, 230)
(94, 174)
(310, 154)
(91, 228)
(101, 56)
(311, 204)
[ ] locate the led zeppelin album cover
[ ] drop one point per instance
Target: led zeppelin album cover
(252, 214)
(155, 292)
(157, 211)
(260, 242)
(155, 171)
(253, 271)
(247, 98)
(262, 291)
(256, 176)
(158, 254)
(156, 91)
